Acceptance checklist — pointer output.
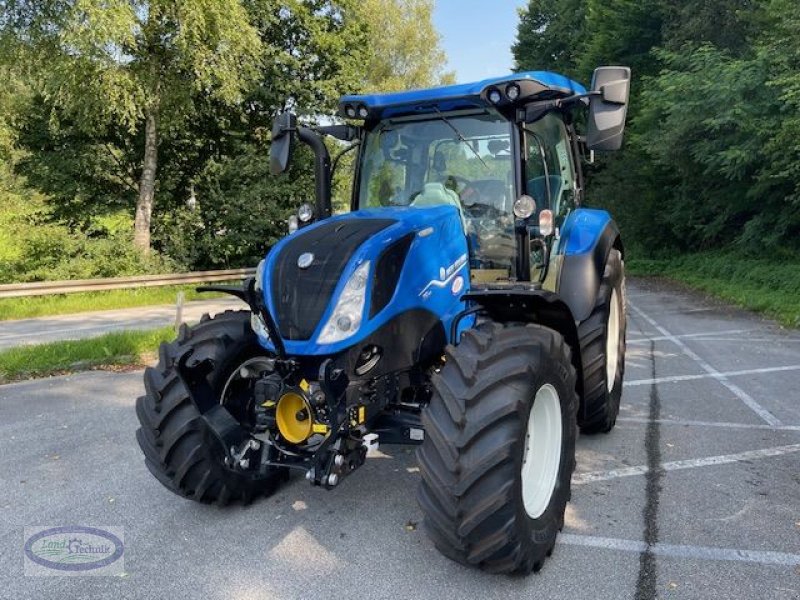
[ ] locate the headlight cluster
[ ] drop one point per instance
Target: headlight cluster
(512, 92)
(256, 321)
(346, 317)
(304, 216)
(356, 111)
(305, 213)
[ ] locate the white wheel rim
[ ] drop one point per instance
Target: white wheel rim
(612, 341)
(542, 455)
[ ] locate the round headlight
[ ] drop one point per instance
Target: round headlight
(524, 206)
(494, 96)
(293, 224)
(363, 113)
(305, 213)
(350, 111)
(512, 91)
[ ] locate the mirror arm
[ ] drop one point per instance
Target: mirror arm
(536, 109)
(345, 133)
(322, 170)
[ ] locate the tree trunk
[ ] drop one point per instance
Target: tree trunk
(147, 184)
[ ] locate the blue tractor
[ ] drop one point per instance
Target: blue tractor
(468, 303)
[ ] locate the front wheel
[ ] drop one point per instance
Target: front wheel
(179, 448)
(499, 448)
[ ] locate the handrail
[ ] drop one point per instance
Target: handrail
(43, 288)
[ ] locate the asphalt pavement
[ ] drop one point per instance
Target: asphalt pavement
(695, 493)
(91, 324)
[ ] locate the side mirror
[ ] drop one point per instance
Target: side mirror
(283, 128)
(608, 108)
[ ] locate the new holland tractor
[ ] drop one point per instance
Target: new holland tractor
(469, 304)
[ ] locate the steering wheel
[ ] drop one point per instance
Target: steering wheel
(480, 210)
(467, 188)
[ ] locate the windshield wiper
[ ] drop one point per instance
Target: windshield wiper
(460, 137)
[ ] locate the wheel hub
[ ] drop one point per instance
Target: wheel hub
(612, 341)
(542, 454)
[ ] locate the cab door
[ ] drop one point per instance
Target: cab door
(549, 177)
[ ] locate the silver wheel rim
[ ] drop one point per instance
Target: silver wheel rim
(612, 341)
(542, 455)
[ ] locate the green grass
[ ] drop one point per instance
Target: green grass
(62, 304)
(770, 285)
(124, 348)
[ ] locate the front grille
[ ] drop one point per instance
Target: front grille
(300, 295)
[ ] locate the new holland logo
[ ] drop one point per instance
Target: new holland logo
(305, 259)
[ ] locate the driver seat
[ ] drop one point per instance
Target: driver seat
(436, 194)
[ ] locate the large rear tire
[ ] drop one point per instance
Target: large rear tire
(179, 449)
(602, 340)
(499, 448)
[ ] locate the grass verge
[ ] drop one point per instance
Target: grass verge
(118, 349)
(63, 304)
(770, 286)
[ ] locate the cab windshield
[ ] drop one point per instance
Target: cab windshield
(459, 159)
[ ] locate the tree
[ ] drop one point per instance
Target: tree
(137, 64)
(404, 47)
(550, 36)
(622, 32)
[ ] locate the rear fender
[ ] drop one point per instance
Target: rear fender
(587, 239)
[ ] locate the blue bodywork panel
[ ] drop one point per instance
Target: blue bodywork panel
(434, 276)
(463, 95)
(581, 231)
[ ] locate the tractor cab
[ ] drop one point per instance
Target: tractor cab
(503, 152)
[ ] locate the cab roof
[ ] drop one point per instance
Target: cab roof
(462, 95)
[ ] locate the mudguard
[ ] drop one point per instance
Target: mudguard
(587, 237)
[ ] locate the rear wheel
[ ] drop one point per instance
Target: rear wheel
(602, 340)
(179, 449)
(499, 449)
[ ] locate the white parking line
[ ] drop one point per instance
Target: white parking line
(690, 423)
(691, 463)
(717, 375)
(682, 551)
(688, 335)
(762, 412)
(741, 340)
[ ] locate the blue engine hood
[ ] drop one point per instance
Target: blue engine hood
(434, 276)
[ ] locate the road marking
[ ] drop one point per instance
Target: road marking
(691, 463)
(762, 412)
(688, 335)
(682, 551)
(687, 422)
(748, 340)
(717, 375)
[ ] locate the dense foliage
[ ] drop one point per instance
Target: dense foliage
(110, 105)
(713, 139)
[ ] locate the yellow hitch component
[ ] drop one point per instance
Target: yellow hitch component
(294, 418)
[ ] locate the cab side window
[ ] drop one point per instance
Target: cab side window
(549, 173)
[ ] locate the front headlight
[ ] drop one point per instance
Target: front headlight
(346, 317)
(256, 322)
(259, 285)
